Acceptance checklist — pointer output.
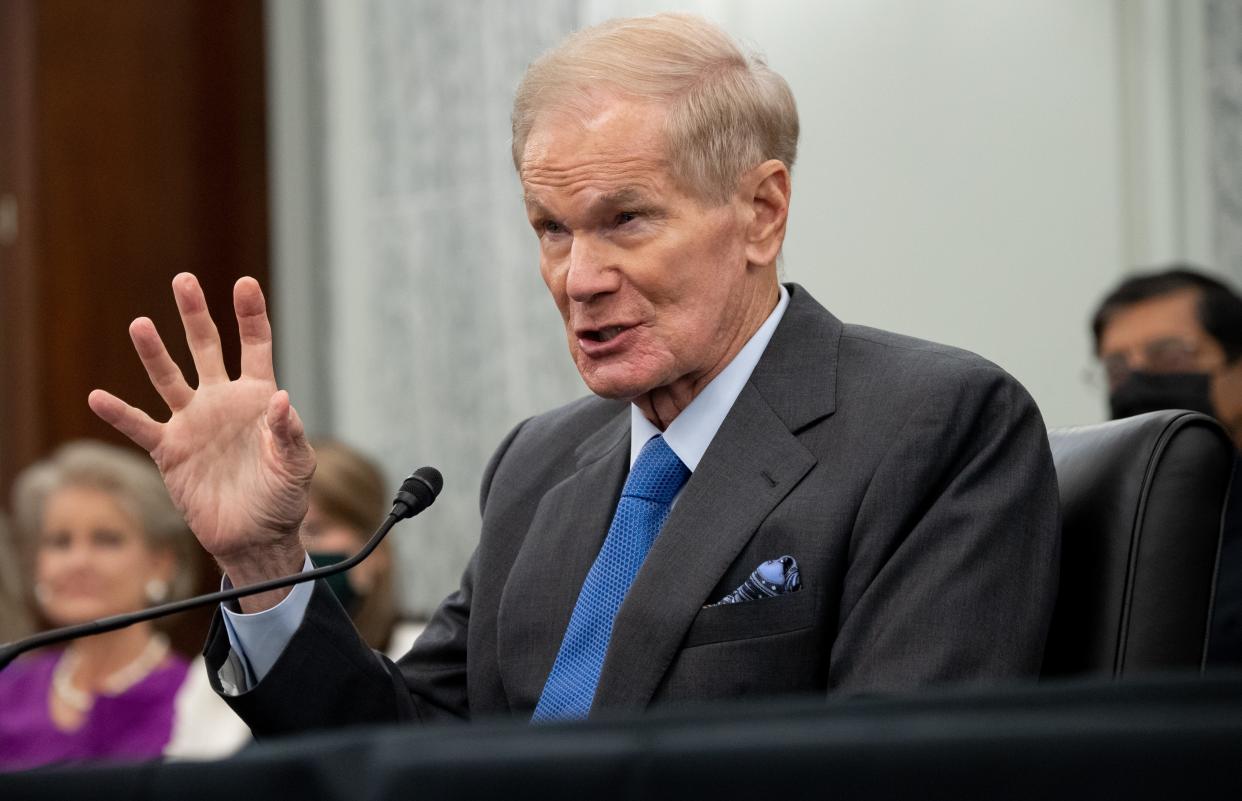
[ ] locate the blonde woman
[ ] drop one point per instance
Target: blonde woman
(99, 537)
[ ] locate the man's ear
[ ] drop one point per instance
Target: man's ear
(765, 192)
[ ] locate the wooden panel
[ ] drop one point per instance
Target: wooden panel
(153, 163)
(141, 128)
(20, 415)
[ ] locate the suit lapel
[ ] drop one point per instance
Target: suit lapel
(753, 462)
(564, 538)
(797, 374)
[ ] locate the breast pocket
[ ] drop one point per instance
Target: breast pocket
(759, 618)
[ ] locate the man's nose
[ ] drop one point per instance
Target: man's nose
(591, 272)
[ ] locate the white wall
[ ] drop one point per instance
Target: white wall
(961, 178)
(971, 171)
(965, 166)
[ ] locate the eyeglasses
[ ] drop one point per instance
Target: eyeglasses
(1168, 355)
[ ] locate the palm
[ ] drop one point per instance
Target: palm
(233, 453)
(222, 469)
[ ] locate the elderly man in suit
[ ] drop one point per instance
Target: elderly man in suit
(757, 499)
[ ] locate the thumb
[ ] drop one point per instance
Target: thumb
(288, 432)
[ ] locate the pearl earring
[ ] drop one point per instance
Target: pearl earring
(156, 590)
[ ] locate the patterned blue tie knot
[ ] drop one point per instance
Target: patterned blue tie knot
(657, 474)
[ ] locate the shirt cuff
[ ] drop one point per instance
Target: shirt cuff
(258, 639)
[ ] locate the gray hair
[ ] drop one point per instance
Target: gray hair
(727, 110)
(131, 479)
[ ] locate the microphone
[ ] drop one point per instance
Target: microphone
(417, 492)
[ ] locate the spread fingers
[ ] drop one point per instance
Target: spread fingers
(133, 423)
(200, 330)
(255, 329)
(164, 373)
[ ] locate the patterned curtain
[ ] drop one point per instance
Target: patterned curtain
(440, 334)
(1224, 48)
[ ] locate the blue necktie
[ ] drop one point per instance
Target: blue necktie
(654, 480)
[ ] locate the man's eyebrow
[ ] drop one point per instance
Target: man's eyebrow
(625, 196)
(533, 205)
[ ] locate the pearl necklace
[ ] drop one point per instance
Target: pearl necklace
(114, 683)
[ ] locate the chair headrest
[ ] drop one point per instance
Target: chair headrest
(1141, 506)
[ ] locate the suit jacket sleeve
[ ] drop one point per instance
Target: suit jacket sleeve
(328, 677)
(953, 559)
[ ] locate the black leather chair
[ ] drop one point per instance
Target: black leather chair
(1141, 503)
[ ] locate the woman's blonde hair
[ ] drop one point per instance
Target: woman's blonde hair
(727, 110)
(349, 488)
(130, 478)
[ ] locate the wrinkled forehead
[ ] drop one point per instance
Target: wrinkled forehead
(608, 153)
(605, 127)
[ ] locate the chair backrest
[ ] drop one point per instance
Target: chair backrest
(1141, 504)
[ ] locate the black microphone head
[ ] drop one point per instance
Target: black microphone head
(417, 492)
(431, 477)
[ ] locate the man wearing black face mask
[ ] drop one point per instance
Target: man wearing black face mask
(1173, 340)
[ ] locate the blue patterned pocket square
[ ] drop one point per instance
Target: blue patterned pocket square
(773, 577)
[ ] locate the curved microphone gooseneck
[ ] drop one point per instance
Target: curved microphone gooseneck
(416, 494)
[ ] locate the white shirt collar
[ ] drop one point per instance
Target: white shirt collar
(693, 430)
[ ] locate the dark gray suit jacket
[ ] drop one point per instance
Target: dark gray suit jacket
(911, 481)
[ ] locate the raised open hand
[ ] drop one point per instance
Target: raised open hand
(234, 454)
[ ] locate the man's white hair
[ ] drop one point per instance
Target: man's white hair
(727, 110)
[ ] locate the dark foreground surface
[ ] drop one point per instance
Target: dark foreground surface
(1170, 737)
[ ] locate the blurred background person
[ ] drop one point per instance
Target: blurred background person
(14, 620)
(348, 500)
(98, 536)
(1172, 339)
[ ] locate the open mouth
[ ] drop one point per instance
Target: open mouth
(603, 334)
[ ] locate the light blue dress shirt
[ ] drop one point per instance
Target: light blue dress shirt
(259, 639)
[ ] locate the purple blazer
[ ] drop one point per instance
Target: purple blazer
(136, 724)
